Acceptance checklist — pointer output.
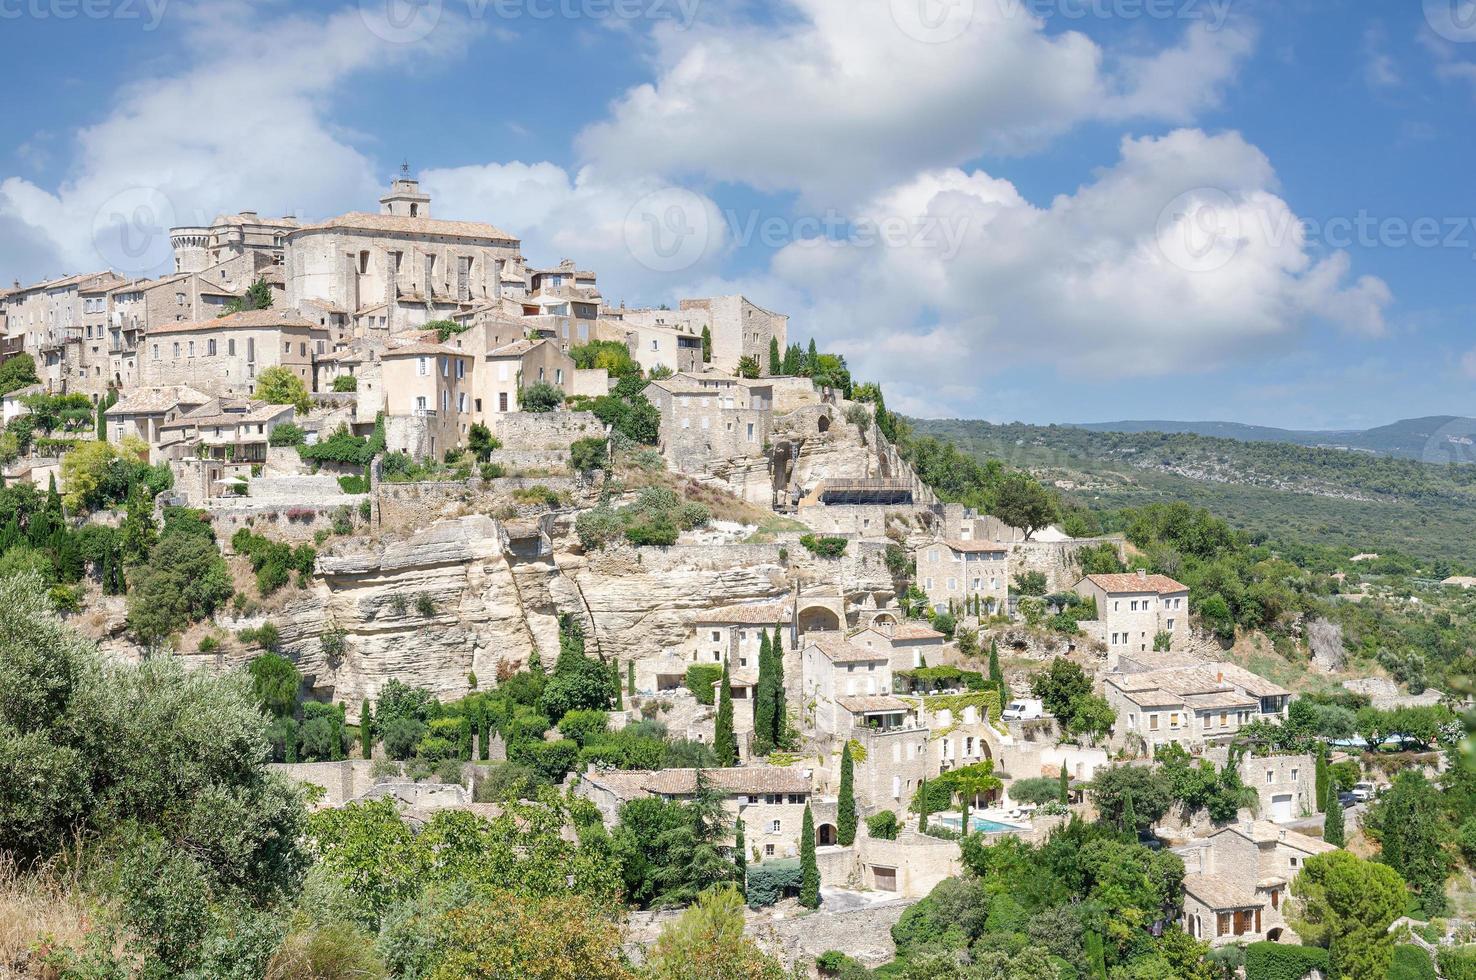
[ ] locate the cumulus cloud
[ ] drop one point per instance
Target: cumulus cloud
(244, 126)
(1180, 257)
(839, 98)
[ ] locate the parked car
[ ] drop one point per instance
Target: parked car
(1363, 792)
(1027, 709)
(1347, 799)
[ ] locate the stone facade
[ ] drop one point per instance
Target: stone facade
(1175, 698)
(709, 416)
(1237, 881)
(955, 572)
(428, 406)
(739, 329)
(1136, 607)
(224, 356)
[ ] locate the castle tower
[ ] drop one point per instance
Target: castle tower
(191, 248)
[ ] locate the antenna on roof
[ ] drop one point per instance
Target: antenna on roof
(405, 168)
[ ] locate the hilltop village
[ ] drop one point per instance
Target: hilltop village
(478, 536)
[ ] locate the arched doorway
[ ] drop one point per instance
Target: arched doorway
(816, 618)
(823, 423)
(825, 835)
(884, 619)
(1274, 936)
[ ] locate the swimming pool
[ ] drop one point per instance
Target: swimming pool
(979, 824)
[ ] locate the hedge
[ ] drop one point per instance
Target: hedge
(1411, 963)
(1278, 961)
(772, 880)
(1458, 963)
(701, 678)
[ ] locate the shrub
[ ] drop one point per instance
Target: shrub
(540, 397)
(824, 547)
(588, 455)
(882, 825)
(700, 681)
(341, 447)
(1037, 789)
(400, 736)
(264, 636)
(353, 484)
(345, 382)
(771, 881)
(598, 527)
(692, 515)
(425, 605)
(655, 530)
(1411, 963)
(366, 510)
(1275, 961)
(286, 434)
(584, 724)
(1458, 963)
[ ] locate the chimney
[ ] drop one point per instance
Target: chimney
(1143, 574)
(1220, 677)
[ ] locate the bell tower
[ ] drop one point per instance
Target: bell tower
(405, 197)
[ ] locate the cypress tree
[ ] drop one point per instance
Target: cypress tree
(102, 423)
(1096, 957)
(486, 739)
(740, 857)
(339, 752)
(1129, 816)
(1065, 786)
(1321, 771)
(725, 742)
(615, 683)
(763, 704)
(630, 678)
(775, 367)
(923, 806)
(366, 731)
(996, 674)
(776, 658)
(812, 358)
(1332, 821)
(464, 737)
(289, 751)
(809, 870)
(706, 345)
(845, 808)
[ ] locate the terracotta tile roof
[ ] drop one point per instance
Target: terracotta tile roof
(364, 221)
(246, 319)
(1219, 893)
(160, 399)
(912, 631)
(683, 782)
(419, 349)
(1266, 832)
(750, 614)
(977, 547)
(1208, 678)
(1136, 583)
(873, 703)
(515, 349)
(840, 651)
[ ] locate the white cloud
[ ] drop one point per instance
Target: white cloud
(1379, 69)
(1468, 364)
(244, 126)
(1180, 257)
(836, 100)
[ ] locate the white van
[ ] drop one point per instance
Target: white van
(1363, 792)
(1023, 710)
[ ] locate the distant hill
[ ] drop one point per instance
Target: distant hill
(1362, 501)
(1433, 439)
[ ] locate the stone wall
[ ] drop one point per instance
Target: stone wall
(1057, 560)
(340, 781)
(542, 431)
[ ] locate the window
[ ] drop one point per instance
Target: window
(286, 347)
(420, 403)
(502, 401)
(1296, 774)
(210, 348)
(896, 787)
(768, 850)
(1270, 777)
(460, 368)
(1171, 623)
(774, 826)
(156, 352)
(1153, 722)
(423, 366)
(192, 348)
(176, 349)
(445, 368)
(461, 402)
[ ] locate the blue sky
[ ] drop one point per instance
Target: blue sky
(1046, 210)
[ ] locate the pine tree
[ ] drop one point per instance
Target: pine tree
(1129, 816)
(1065, 786)
(725, 741)
(781, 722)
(1321, 771)
(1332, 821)
(763, 702)
(706, 345)
(775, 366)
(366, 731)
(809, 870)
(845, 808)
(740, 857)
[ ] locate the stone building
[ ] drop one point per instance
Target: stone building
(735, 632)
(141, 413)
(911, 644)
(739, 329)
(416, 267)
(953, 572)
(1174, 698)
(656, 339)
(1285, 785)
(232, 238)
(707, 417)
(224, 356)
(770, 799)
(839, 678)
(1135, 607)
(428, 405)
(1237, 881)
(509, 369)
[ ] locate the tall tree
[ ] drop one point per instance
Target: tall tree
(1022, 502)
(1065, 796)
(725, 740)
(740, 857)
(1409, 822)
(763, 704)
(809, 870)
(781, 721)
(996, 674)
(845, 808)
(775, 365)
(923, 807)
(630, 678)
(706, 344)
(1332, 821)
(615, 685)
(366, 730)
(1346, 905)
(812, 358)
(1321, 774)
(1129, 816)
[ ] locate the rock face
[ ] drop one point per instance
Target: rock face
(1325, 640)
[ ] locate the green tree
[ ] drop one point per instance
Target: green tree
(763, 704)
(740, 856)
(1409, 822)
(846, 817)
(1022, 502)
(706, 346)
(776, 366)
(780, 735)
(589, 455)
(1346, 905)
(345, 383)
(276, 683)
(184, 581)
(748, 367)
(1064, 790)
(138, 534)
(366, 730)
(1060, 686)
(809, 870)
(1332, 821)
(708, 943)
(1322, 781)
(540, 397)
(1147, 789)
(725, 741)
(17, 372)
(280, 386)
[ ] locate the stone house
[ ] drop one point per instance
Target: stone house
(711, 416)
(416, 267)
(1134, 607)
(654, 341)
(427, 398)
(244, 241)
(1237, 881)
(223, 356)
(1285, 785)
(846, 685)
(911, 644)
(955, 571)
(1171, 698)
(735, 632)
(739, 329)
(770, 799)
(509, 369)
(142, 412)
